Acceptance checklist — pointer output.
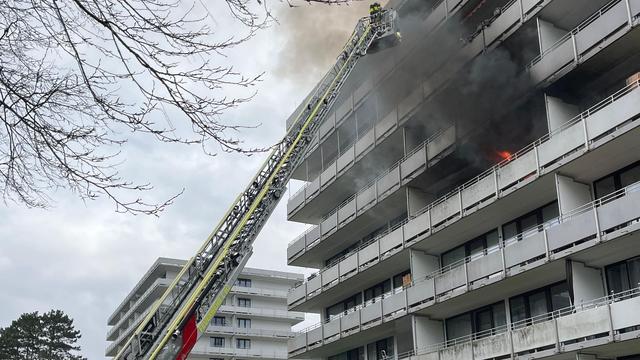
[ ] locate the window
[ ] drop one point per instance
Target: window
(381, 349)
(217, 342)
(244, 282)
(243, 343)
(477, 321)
(343, 306)
(538, 303)
(377, 290)
(244, 302)
(624, 275)
(353, 354)
(617, 180)
(402, 279)
(473, 248)
(530, 220)
(219, 321)
(244, 323)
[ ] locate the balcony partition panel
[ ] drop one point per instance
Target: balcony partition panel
(452, 279)
(620, 211)
(366, 198)
(389, 182)
(384, 126)
(348, 266)
(364, 143)
(346, 159)
(485, 266)
(347, 211)
(331, 329)
(394, 303)
(413, 163)
(441, 143)
(371, 313)
(580, 227)
(350, 321)
(518, 252)
(391, 241)
(491, 347)
(368, 254)
(417, 226)
(517, 169)
(315, 336)
(312, 237)
(621, 107)
(330, 275)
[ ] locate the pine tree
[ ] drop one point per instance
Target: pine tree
(50, 336)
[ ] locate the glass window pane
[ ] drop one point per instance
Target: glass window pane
(518, 309)
(633, 266)
(605, 186)
(458, 326)
(560, 297)
(538, 304)
(617, 278)
(509, 230)
(476, 247)
(528, 222)
(453, 256)
(484, 320)
(499, 315)
(492, 240)
(550, 212)
(630, 176)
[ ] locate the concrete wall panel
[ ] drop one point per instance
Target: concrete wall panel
(491, 347)
(584, 323)
(528, 248)
(625, 313)
(619, 211)
(578, 227)
(561, 143)
(534, 336)
(614, 114)
(364, 143)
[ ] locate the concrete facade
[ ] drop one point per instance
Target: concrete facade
(474, 193)
(254, 321)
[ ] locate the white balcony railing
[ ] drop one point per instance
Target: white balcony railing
(588, 225)
(578, 325)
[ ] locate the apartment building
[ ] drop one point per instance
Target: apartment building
(252, 323)
(473, 193)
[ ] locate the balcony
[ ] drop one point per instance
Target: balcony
(261, 312)
(251, 332)
(143, 302)
(580, 44)
(581, 134)
(202, 349)
(608, 219)
(254, 291)
(602, 321)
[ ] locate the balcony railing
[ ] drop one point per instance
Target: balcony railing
(614, 18)
(234, 330)
(204, 349)
(526, 165)
(610, 316)
(588, 225)
(256, 311)
(132, 309)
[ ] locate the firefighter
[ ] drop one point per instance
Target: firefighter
(374, 11)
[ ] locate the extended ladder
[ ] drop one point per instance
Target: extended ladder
(173, 324)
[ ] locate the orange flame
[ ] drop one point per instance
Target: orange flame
(505, 155)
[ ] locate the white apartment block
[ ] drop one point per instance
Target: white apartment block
(474, 191)
(253, 322)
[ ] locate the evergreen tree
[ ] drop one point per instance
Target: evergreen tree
(50, 336)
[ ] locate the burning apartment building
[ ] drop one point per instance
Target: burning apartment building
(473, 193)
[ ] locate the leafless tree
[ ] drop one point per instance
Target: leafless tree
(78, 78)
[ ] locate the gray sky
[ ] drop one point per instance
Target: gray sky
(83, 258)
